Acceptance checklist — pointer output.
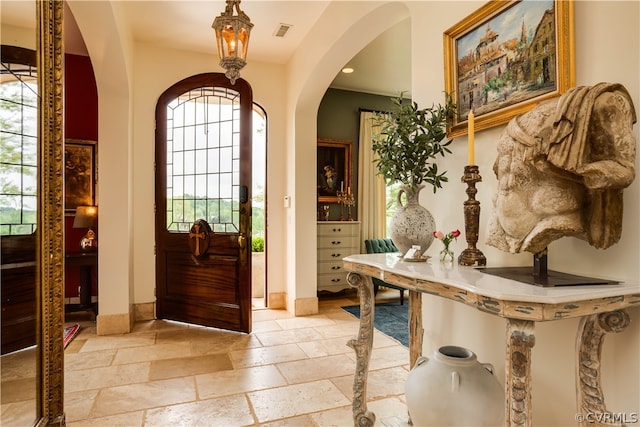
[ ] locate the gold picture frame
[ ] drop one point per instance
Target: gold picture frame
(333, 169)
(79, 174)
(502, 78)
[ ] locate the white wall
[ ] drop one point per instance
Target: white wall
(607, 49)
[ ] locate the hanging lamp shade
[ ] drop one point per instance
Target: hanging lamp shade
(232, 36)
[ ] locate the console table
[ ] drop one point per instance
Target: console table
(87, 261)
(601, 309)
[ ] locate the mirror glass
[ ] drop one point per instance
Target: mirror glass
(18, 214)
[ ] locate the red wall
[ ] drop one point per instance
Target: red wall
(80, 122)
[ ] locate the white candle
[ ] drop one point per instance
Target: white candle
(471, 138)
(342, 186)
(349, 190)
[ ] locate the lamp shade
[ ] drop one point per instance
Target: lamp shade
(86, 217)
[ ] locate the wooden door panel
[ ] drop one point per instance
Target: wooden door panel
(186, 279)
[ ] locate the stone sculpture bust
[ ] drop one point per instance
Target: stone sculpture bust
(561, 169)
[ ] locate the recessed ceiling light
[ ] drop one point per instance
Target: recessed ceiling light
(347, 70)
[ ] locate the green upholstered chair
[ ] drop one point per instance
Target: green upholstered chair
(379, 246)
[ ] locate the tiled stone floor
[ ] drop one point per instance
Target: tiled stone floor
(290, 371)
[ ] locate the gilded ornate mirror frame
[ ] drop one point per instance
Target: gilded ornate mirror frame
(50, 264)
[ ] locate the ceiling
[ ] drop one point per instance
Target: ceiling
(383, 67)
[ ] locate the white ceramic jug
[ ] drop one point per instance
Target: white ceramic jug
(454, 389)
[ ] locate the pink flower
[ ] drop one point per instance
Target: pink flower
(448, 238)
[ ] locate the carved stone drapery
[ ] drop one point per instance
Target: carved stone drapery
(561, 169)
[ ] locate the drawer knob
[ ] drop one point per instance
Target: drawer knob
(336, 267)
(336, 242)
(336, 230)
(335, 280)
(335, 255)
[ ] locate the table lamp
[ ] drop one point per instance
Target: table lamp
(87, 217)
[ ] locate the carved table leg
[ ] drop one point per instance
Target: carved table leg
(591, 332)
(416, 332)
(520, 341)
(362, 346)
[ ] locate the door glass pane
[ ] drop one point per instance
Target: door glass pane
(205, 157)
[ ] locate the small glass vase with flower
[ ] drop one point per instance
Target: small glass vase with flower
(446, 254)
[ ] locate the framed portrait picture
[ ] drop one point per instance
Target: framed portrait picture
(79, 174)
(506, 57)
(333, 169)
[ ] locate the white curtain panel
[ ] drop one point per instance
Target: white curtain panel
(371, 186)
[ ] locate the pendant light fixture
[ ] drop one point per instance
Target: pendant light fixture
(232, 36)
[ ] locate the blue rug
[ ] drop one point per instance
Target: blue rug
(389, 318)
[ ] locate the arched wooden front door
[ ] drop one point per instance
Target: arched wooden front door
(203, 202)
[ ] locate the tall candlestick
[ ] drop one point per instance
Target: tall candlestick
(471, 131)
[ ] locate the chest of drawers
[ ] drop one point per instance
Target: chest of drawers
(336, 240)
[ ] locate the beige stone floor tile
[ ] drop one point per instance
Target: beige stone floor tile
(21, 413)
(288, 336)
(135, 397)
(261, 315)
(265, 326)
(315, 369)
(110, 342)
(227, 383)
(130, 419)
(77, 406)
(338, 314)
(390, 412)
(326, 347)
(336, 417)
(380, 384)
(75, 346)
(277, 403)
(158, 325)
(94, 359)
(106, 376)
(266, 355)
(386, 357)
(301, 421)
(17, 390)
(229, 343)
(305, 322)
(383, 340)
(17, 365)
(223, 411)
(346, 329)
(152, 352)
(186, 366)
(193, 333)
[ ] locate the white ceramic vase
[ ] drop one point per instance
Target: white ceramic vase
(412, 223)
(454, 389)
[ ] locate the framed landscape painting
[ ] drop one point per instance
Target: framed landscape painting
(506, 57)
